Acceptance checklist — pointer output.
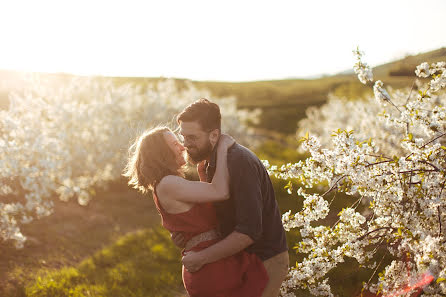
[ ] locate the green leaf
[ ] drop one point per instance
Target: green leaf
(289, 187)
(305, 138)
(440, 279)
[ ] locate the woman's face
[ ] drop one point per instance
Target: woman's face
(176, 147)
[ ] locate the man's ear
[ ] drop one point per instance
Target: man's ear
(214, 136)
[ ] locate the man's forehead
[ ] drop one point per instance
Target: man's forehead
(190, 127)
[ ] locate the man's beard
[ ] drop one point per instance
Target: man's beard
(200, 154)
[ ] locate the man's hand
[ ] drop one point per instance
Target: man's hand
(193, 261)
(178, 239)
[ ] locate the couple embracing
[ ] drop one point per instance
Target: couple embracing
(228, 223)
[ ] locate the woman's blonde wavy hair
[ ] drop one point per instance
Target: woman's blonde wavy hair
(150, 159)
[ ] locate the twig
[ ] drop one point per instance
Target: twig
(376, 269)
(378, 245)
(372, 164)
(377, 236)
(334, 196)
(333, 186)
(411, 89)
(370, 232)
(394, 105)
(428, 163)
(418, 170)
(441, 135)
(376, 156)
(358, 202)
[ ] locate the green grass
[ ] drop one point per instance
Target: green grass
(140, 264)
(73, 233)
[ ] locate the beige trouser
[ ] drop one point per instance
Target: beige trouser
(277, 268)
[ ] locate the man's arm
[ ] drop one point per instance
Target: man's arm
(246, 192)
(232, 244)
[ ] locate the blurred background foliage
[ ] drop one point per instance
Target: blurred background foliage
(115, 246)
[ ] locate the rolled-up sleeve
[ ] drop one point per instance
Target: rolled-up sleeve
(247, 196)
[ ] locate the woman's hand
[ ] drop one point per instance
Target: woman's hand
(225, 142)
(201, 166)
(201, 169)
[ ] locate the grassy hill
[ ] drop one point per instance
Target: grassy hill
(284, 102)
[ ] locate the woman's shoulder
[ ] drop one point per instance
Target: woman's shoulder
(167, 191)
(166, 183)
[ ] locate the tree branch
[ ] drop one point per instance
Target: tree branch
(370, 232)
(372, 164)
(430, 164)
(333, 186)
(376, 156)
(441, 135)
(411, 89)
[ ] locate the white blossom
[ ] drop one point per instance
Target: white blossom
(389, 157)
(363, 70)
(423, 70)
(65, 138)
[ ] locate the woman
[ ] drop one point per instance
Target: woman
(156, 163)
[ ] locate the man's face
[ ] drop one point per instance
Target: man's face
(196, 141)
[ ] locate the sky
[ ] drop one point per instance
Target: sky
(226, 40)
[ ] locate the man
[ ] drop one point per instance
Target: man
(250, 220)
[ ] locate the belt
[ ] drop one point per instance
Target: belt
(205, 236)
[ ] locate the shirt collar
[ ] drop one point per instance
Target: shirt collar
(213, 158)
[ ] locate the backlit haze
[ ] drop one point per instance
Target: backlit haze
(214, 40)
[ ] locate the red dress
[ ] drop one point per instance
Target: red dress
(240, 275)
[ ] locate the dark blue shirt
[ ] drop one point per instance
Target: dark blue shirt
(252, 207)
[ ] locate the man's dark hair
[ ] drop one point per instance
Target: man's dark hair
(205, 112)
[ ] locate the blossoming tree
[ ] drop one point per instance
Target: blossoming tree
(390, 155)
(65, 138)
